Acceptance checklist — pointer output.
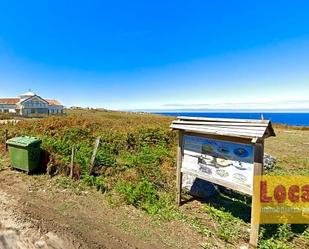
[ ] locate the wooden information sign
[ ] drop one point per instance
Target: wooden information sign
(227, 152)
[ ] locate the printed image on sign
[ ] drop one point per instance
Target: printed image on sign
(221, 162)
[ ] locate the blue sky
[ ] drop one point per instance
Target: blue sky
(157, 54)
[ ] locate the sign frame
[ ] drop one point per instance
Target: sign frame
(258, 155)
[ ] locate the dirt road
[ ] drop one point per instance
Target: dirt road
(16, 233)
(32, 217)
(34, 213)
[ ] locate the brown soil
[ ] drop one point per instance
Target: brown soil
(34, 213)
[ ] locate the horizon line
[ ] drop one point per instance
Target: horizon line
(291, 110)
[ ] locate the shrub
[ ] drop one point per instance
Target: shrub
(161, 206)
(149, 137)
(147, 162)
(284, 232)
(137, 195)
(229, 227)
(105, 157)
(306, 234)
(273, 244)
(1, 163)
(276, 236)
(83, 156)
(145, 196)
(95, 181)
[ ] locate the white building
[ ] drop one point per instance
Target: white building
(30, 104)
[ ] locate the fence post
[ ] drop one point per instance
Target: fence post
(97, 142)
(179, 165)
(72, 161)
(5, 139)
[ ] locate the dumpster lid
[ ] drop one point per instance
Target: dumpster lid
(23, 141)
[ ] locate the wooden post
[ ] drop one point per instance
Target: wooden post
(72, 162)
(262, 117)
(179, 164)
(257, 171)
(96, 146)
(5, 139)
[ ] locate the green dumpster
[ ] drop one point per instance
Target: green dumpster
(25, 152)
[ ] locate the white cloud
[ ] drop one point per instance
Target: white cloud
(264, 105)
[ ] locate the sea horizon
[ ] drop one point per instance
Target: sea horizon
(225, 110)
(287, 118)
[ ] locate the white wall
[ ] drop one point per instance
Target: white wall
(55, 109)
(7, 108)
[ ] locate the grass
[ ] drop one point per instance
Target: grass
(65, 206)
(228, 227)
(135, 165)
(1, 163)
(5, 116)
(291, 147)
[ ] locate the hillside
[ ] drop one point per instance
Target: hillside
(128, 200)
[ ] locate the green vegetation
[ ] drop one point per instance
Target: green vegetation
(5, 116)
(135, 165)
(1, 163)
(95, 181)
(279, 239)
(228, 227)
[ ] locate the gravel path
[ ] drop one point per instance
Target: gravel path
(15, 233)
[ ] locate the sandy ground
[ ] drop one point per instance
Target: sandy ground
(32, 217)
(15, 233)
(34, 213)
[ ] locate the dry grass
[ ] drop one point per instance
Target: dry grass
(291, 147)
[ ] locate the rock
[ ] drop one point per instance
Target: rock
(204, 189)
(269, 162)
(243, 247)
(40, 244)
(198, 187)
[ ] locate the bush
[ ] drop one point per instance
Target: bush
(137, 195)
(149, 137)
(276, 236)
(1, 163)
(284, 232)
(229, 227)
(147, 161)
(273, 244)
(144, 195)
(95, 181)
(105, 157)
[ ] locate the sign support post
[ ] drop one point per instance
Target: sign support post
(179, 163)
(258, 171)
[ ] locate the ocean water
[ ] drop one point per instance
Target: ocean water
(298, 119)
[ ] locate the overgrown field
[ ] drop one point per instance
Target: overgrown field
(135, 165)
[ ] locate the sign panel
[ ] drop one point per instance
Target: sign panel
(225, 163)
(281, 199)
